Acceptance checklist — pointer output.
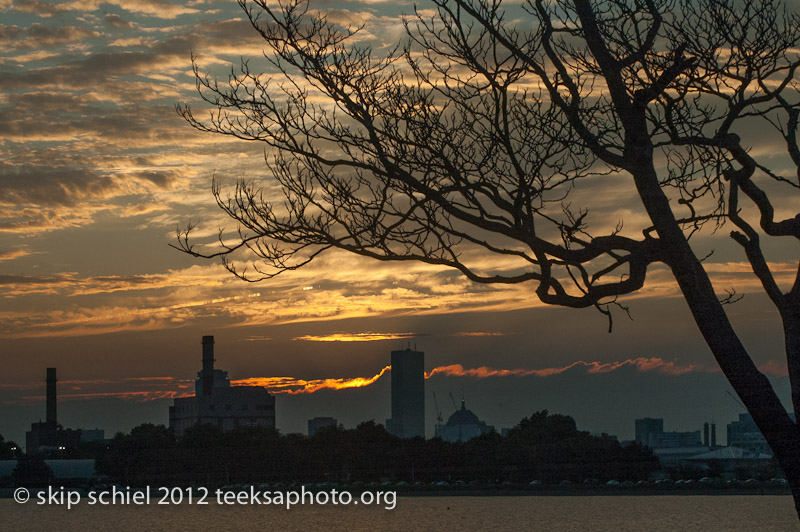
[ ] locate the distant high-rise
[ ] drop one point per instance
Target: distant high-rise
(408, 394)
(648, 431)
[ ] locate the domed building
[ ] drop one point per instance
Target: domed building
(462, 425)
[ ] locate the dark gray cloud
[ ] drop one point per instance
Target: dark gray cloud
(40, 36)
(117, 22)
(21, 105)
(63, 116)
(51, 185)
(232, 31)
(70, 185)
(10, 33)
(99, 68)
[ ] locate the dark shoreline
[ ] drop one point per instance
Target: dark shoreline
(544, 491)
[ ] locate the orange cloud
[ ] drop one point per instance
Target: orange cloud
(642, 364)
(357, 337)
(291, 385)
(778, 369)
(257, 339)
(294, 386)
(16, 253)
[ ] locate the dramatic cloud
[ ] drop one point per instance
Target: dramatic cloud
(344, 286)
(292, 386)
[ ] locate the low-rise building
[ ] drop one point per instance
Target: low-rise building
(650, 433)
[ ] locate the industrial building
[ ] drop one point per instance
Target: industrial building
(49, 435)
(218, 403)
(408, 394)
(462, 425)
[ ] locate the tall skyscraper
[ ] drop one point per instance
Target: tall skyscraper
(408, 394)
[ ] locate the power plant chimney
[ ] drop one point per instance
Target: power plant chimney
(208, 364)
(705, 434)
(52, 412)
(714, 434)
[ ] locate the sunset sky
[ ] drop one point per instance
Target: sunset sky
(97, 171)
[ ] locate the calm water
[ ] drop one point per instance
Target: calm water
(616, 513)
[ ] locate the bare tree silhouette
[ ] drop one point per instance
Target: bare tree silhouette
(473, 133)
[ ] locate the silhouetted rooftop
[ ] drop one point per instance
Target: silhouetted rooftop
(463, 417)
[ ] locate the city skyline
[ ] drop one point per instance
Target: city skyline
(378, 392)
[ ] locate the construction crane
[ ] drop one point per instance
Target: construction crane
(453, 400)
(438, 412)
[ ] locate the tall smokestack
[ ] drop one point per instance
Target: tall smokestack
(705, 434)
(52, 412)
(208, 364)
(714, 434)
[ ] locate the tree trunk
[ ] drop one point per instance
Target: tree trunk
(790, 314)
(791, 330)
(752, 387)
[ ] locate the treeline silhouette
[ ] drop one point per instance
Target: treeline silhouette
(544, 447)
